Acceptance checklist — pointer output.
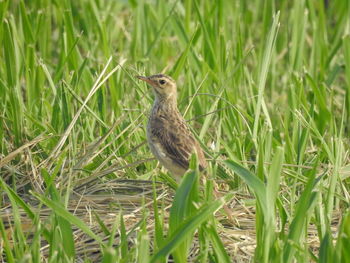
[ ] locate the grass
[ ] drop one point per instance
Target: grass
(265, 86)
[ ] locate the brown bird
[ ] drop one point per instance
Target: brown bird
(168, 135)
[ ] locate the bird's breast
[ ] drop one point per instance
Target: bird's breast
(158, 123)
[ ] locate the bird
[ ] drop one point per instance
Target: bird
(169, 138)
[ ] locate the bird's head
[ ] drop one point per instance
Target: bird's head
(164, 87)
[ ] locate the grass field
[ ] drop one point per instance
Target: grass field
(265, 85)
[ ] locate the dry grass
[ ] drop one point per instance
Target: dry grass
(131, 198)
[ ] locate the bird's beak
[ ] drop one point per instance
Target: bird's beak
(146, 79)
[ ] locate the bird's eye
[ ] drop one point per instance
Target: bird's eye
(162, 82)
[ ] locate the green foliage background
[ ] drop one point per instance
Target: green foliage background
(264, 84)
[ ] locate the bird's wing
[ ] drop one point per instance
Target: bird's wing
(178, 143)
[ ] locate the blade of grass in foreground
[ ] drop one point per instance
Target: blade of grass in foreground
(272, 188)
(251, 180)
(144, 245)
(187, 227)
(6, 243)
(158, 220)
(58, 209)
(13, 196)
(217, 245)
(265, 233)
(295, 230)
(342, 252)
(181, 209)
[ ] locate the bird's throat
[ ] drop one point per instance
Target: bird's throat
(168, 103)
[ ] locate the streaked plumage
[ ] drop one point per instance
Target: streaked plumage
(169, 138)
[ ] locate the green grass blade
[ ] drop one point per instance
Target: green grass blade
(264, 67)
(61, 211)
(295, 230)
(6, 243)
(251, 180)
(218, 246)
(188, 226)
